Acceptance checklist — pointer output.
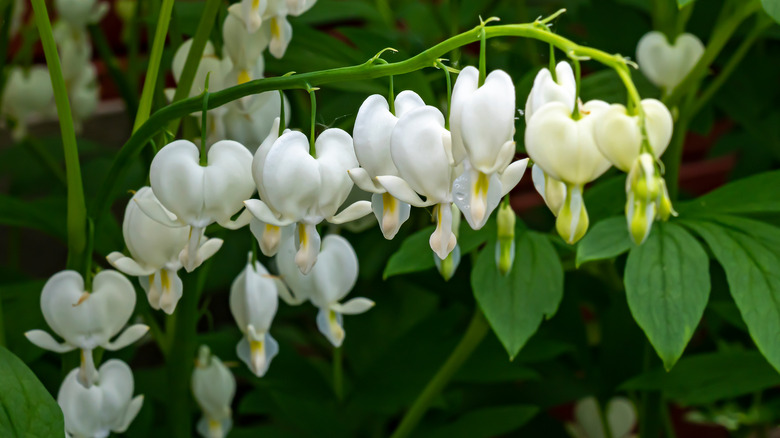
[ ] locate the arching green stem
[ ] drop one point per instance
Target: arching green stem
(446, 71)
(368, 70)
(77, 209)
(482, 60)
(391, 96)
(553, 72)
(282, 115)
(577, 78)
(313, 98)
(204, 120)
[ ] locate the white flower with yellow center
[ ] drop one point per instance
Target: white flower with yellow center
(297, 188)
(199, 195)
(373, 129)
(213, 387)
(253, 302)
(105, 407)
(482, 122)
(329, 282)
(87, 320)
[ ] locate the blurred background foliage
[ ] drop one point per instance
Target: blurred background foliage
(591, 346)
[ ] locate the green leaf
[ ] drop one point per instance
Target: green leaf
(667, 287)
(43, 215)
(748, 195)
(608, 238)
(26, 408)
(515, 304)
(707, 378)
(749, 252)
(682, 3)
(415, 253)
(772, 7)
(487, 422)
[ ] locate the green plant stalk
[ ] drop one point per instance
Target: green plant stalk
(368, 70)
(199, 41)
(122, 85)
(77, 209)
(449, 93)
(313, 98)
(338, 373)
(663, 17)
(150, 82)
(476, 331)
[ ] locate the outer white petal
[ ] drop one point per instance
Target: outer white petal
(545, 90)
(177, 179)
(46, 341)
(281, 35)
(390, 213)
(263, 212)
(128, 265)
(335, 156)
(354, 306)
(213, 386)
(465, 86)
(621, 416)
(442, 239)
(253, 298)
(363, 179)
(476, 195)
(588, 416)
(130, 413)
(400, 189)
(149, 241)
(258, 160)
(80, 407)
(260, 359)
(227, 180)
(406, 101)
(418, 151)
(299, 284)
(352, 212)
(565, 148)
(116, 384)
(330, 323)
(336, 271)
(268, 236)
(511, 176)
(291, 177)
(130, 335)
(243, 46)
(373, 126)
(488, 121)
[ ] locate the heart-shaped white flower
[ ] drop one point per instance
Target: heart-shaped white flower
(80, 13)
(87, 320)
(482, 121)
(546, 90)
(102, 408)
(329, 281)
(665, 64)
(373, 129)
(619, 137)
(299, 188)
(27, 93)
(200, 195)
(253, 302)
(213, 387)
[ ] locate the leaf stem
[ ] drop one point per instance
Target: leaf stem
(475, 332)
(441, 65)
(77, 209)
(150, 82)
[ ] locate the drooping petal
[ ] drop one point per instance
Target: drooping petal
(390, 213)
(291, 177)
(354, 306)
(443, 240)
(511, 176)
(128, 265)
(352, 212)
(400, 189)
(46, 341)
(335, 156)
(336, 271)
(130, 335)
(262, 212)
(362, 179)
(121, 425)
(331, 324)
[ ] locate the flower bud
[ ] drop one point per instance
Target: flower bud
(213, 386)
(505, 248)
(449, 264)
(572, 221)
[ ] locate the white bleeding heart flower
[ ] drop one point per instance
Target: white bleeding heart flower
(296, 187)
(213, 387)
(26, 94)
(329, 282)
(87, 320)
(482, 122)
(373, 128)
(154, 252)
(84, 95)
(564, 147)
(297, 7)
(253, 302)
(80, 13)
(251, 12)
(619, 137)
(210, 65)
(245, 50)
(665, 64)
(421, 149)
(74, 48)
(545, 90)
(200, 195)
(620, 418)
(105, 407)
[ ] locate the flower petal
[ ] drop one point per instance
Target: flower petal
(352, 212)
(46, 341)
(130, 335)
(512, 175)
(401, 190)
(354, 306)
(362, 179)
(128, 265)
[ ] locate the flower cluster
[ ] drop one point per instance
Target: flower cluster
(573, 143)
(29, 94)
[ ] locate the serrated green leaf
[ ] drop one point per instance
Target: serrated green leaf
(749, 252)
(772, 7)
(667, 287)
(516, 304)
(26, 407)
(707, 378)
(748, 195)
(608, 238)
